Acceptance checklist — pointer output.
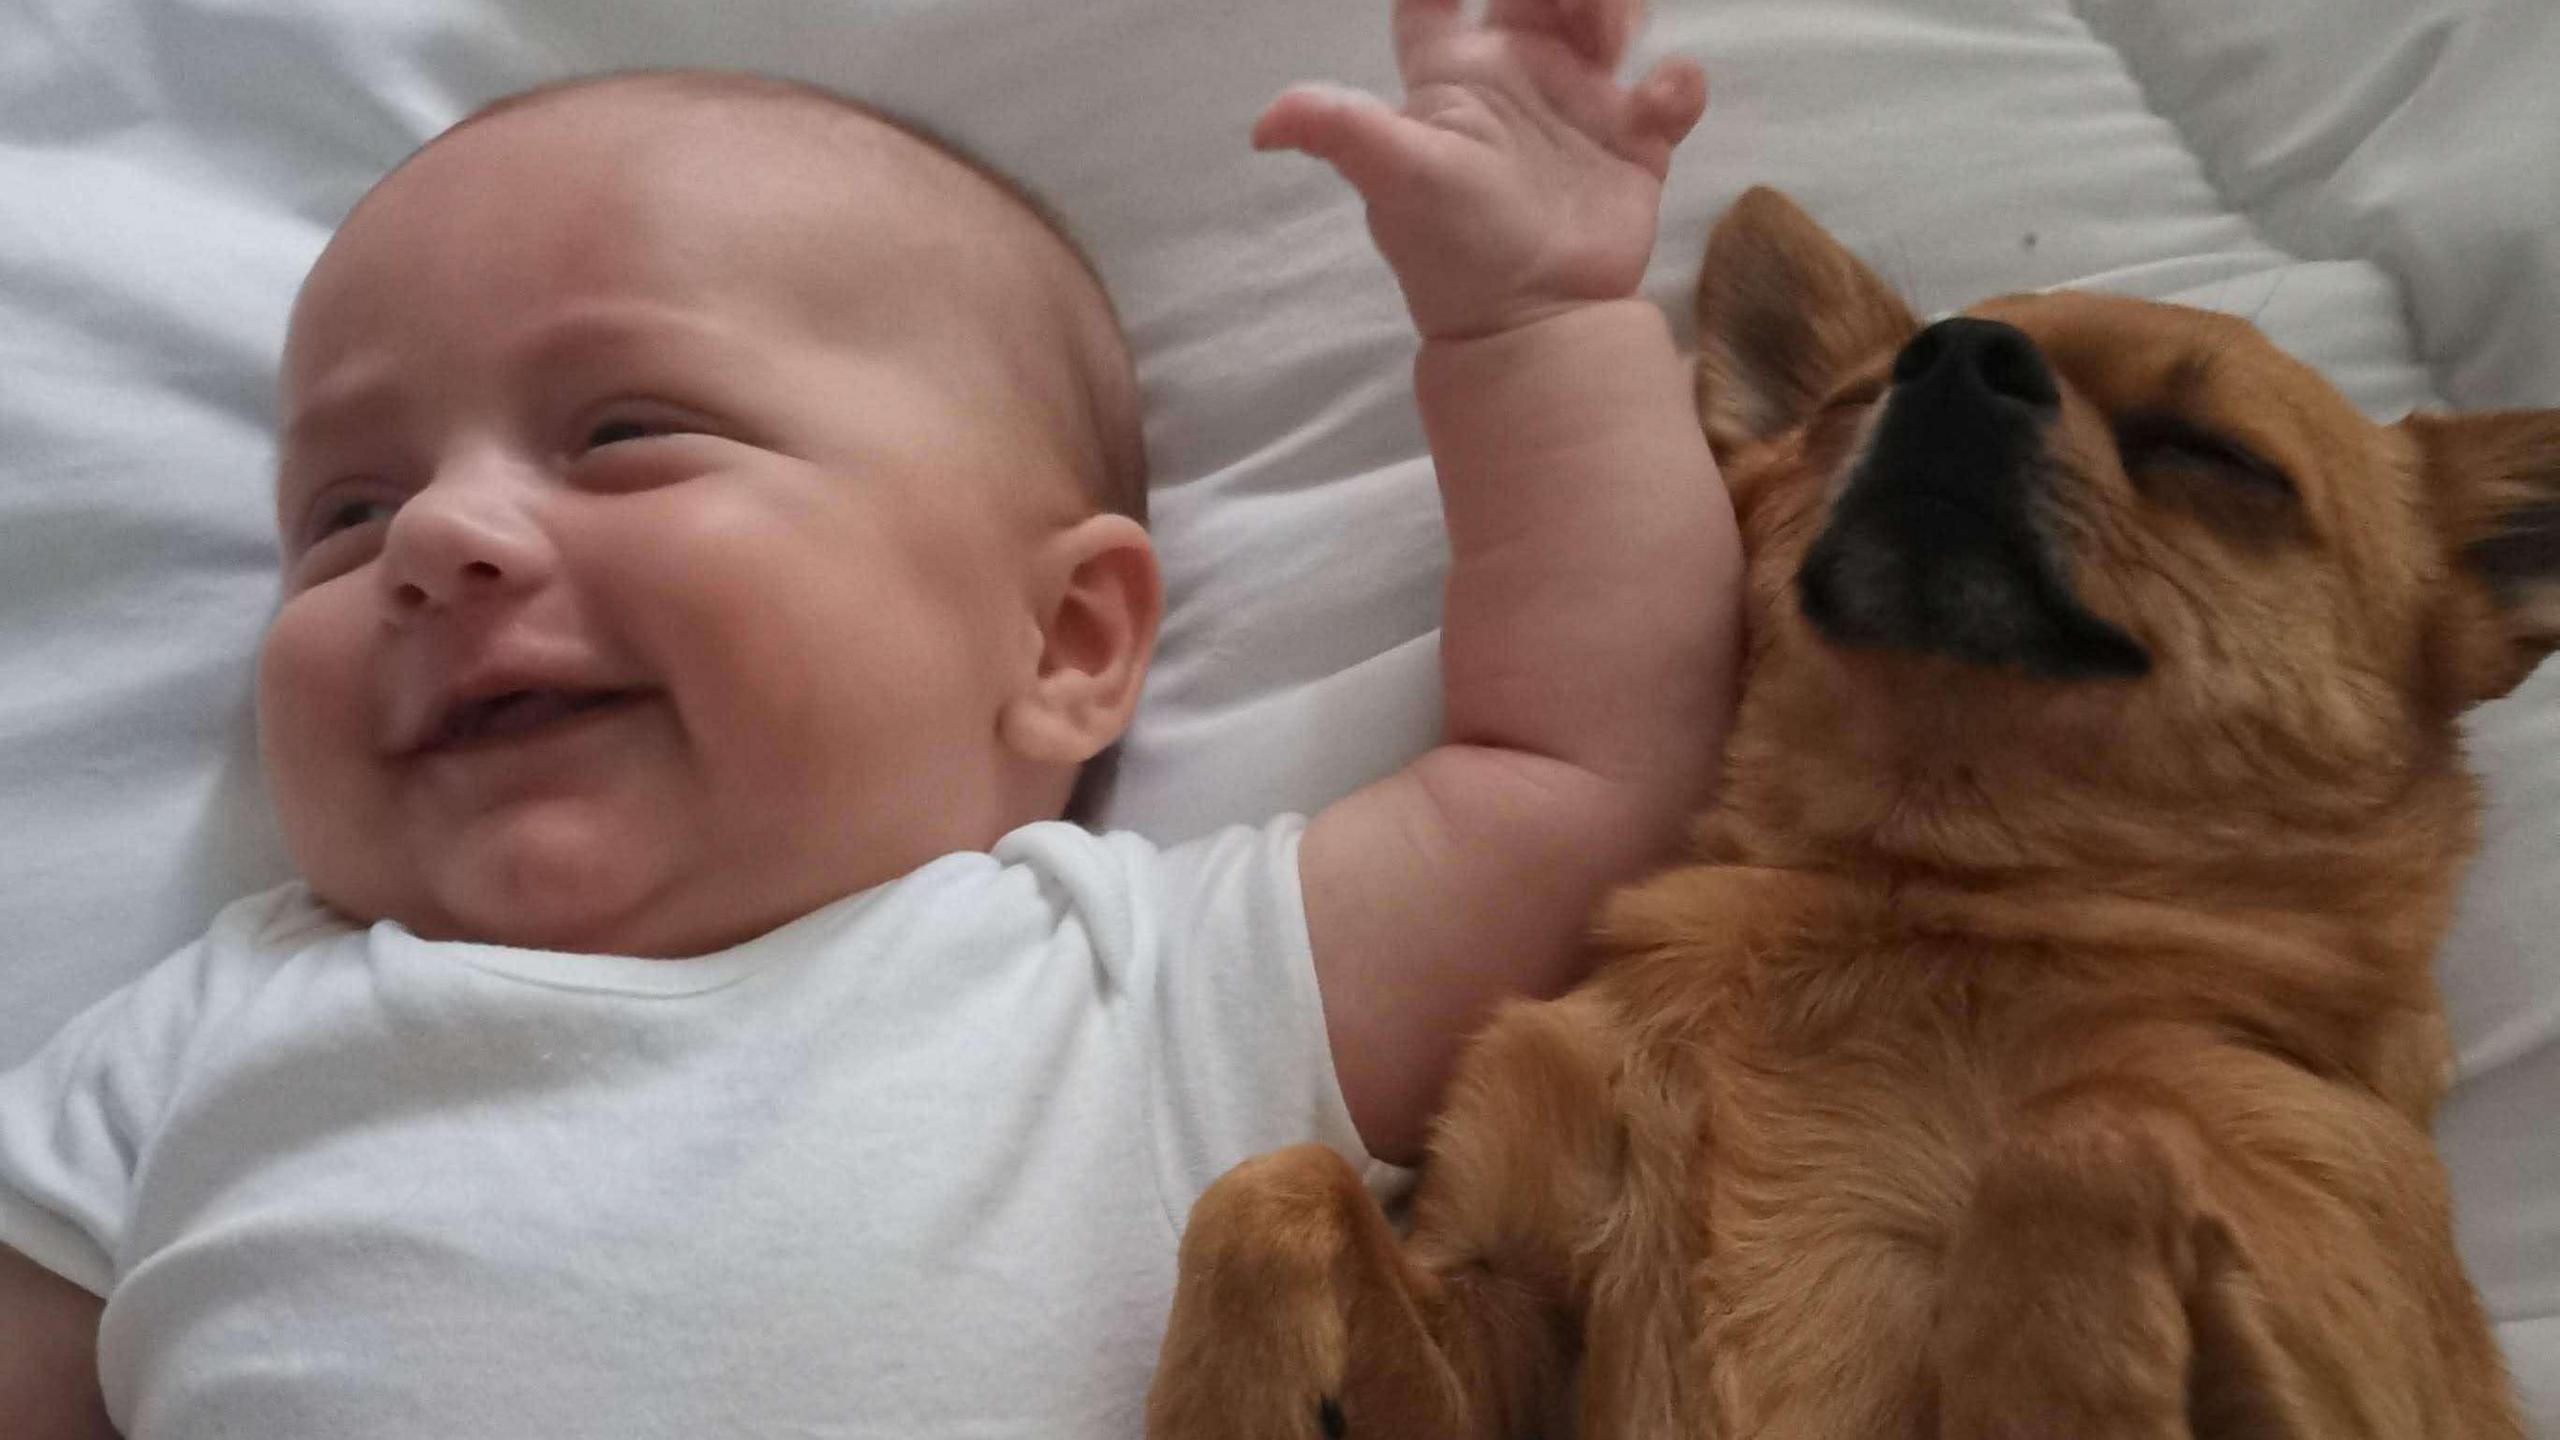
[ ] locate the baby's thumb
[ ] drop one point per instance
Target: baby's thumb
(1353, 131)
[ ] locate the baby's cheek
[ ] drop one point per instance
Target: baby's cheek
(317, 746)
(309, 707)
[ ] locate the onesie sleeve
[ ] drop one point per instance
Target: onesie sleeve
(78, 1117)
(1206, 943)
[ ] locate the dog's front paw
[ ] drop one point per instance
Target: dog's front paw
(1260, 1340)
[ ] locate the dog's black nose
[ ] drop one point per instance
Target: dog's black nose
(1984, 357)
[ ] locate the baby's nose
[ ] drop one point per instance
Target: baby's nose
(456, 544)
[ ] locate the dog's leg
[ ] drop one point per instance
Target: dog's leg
(1300, 1314)
(2093, 1292)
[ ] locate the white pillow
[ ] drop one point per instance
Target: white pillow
(169, 167)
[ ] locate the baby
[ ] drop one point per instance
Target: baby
(711, 518)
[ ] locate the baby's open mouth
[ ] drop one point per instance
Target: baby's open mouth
(518, 712)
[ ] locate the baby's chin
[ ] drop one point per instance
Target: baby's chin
(607, 876)
(556, 882)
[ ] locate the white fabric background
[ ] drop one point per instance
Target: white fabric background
(2373, 179)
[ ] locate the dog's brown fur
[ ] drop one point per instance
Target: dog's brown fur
(2019, 1056)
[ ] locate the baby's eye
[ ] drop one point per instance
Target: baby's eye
(335, 516)
(645, 424)
(614, 432)
(341, 531)
(637, 444)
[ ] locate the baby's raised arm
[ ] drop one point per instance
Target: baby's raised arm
(1591, 634)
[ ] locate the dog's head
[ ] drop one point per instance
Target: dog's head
(2072, 580)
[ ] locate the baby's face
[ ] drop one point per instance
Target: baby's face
(659, 514)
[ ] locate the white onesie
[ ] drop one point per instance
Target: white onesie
(913, 1165)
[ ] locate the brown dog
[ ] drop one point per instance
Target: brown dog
(2043, 1039)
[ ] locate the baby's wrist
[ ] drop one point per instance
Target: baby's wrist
(1488, 321)
(1539, 332)
(1548, 409)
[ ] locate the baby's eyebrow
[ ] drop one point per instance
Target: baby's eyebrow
(350, 399)
(620, 327)
(333, 414)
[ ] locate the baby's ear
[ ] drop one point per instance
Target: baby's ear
(2495, 480)
(1784, 312)
(1100, 598)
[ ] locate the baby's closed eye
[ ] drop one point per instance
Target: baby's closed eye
(347, 513)
(632, 418)
(627, 446)
(614, 432)
(338, 528)
(621, 429)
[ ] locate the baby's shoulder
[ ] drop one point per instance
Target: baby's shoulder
(1106, 871)
(282, 921)
(249, 942)
(136, 1044)
(1229, 896)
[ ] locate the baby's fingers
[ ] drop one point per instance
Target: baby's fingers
(1356, 133)
(1662, 109)
(1596, 30)
(1421, 26)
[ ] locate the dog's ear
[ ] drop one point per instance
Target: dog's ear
(1784, 311)
(2495, 481)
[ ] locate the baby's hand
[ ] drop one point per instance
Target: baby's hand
(1520, 178)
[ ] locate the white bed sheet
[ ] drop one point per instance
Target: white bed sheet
(2371, 178)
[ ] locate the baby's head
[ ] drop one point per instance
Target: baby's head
(701, 498)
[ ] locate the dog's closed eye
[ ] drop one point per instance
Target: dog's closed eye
(2218, 479)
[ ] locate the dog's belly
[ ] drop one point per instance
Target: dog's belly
(1832, 1192)
(1846, 1066)
(1845, 1122)
(1848, 1110)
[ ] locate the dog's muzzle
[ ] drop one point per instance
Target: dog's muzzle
(1933, 546)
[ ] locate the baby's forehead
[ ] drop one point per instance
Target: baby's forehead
(770, 212)
(748, 188)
